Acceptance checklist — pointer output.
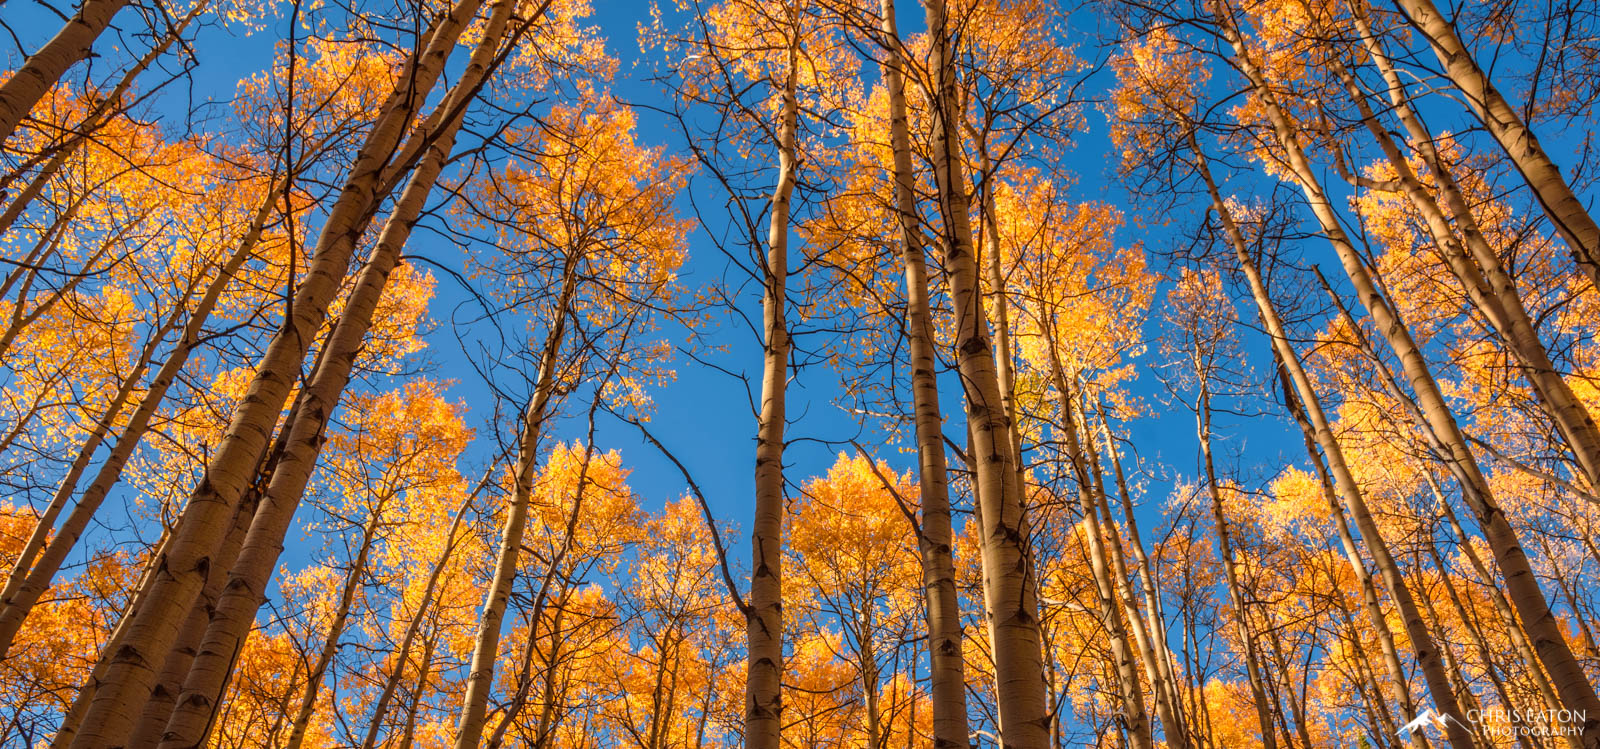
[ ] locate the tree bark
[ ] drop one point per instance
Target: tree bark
(1571, 220)
(44, 68)
(1008, 572)
(763, 703)
(934, 539)
(1475, 263)
(1577, 693)
(1421, 641)
(19, 597)
(129, 678)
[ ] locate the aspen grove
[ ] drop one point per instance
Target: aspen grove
(789, 374)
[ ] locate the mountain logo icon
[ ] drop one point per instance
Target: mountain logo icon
(1429, 718)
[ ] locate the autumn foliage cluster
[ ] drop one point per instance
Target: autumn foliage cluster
(1192, 374)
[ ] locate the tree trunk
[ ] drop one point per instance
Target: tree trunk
(248, 579)
(1571, 220)
(1400, 691)
(1344, 481)
(164, 697)
(946, 666)
(44, 68)
(1230, 567)
(1155, 620)
(1008, 573)
(1475, 264)
(130, 676)
(763, 704)
(330, 643)
(1571, 683)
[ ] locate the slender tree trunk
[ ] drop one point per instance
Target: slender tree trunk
(1230, 567)
(1576, 692)
(130, 677)
(230, 624)
(1475, 263)
(44, 68)
(946, 666)
(1571, 220)
(20, 595)
(1133, 622)
(1155, 621)
(1110, 611)
(414, 625)
(158, 709)
(1400, 691)
(1476, 636)
(73, 717)
(763, 704)
(1008, 573)
(330, 644)
(1344, 481)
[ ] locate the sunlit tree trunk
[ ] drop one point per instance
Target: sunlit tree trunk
(946, 666)
(247, 582)
(129, 678)
(486, 647)
(414, 625)
(1567, 213)
(1008, 573)
(1423, 647)
(763, 703)
(21, 593)
(330, 643)
(1108, 607)
(1156, 652)
(1475, 263)
(158, 709)
(44, 68)
(1133, 622)
(1230, 568)
(1571, 683)
(1400, 692)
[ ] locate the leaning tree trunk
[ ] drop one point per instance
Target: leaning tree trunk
(330, 642)
(1416, 629)
(1475, 263)
(763, 704)
(1163, 679)
(1567, 674)
(1008, 572)
(1230, 567)
(44, 68)
(1567, 213)
(21, 593)
(248, 579)
(946, 666)
(130, 676)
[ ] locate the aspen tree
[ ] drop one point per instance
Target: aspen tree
(934, 537)
(1009, 575)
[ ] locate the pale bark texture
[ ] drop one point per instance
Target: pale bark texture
(934, 540)
(1427, 654)
(1577, 693)
(44, 68)
(130, 676)
(246, 587)
(1567, 213)
(486, 647)
(1474, 262)
(1009, 575)
(763, 700)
